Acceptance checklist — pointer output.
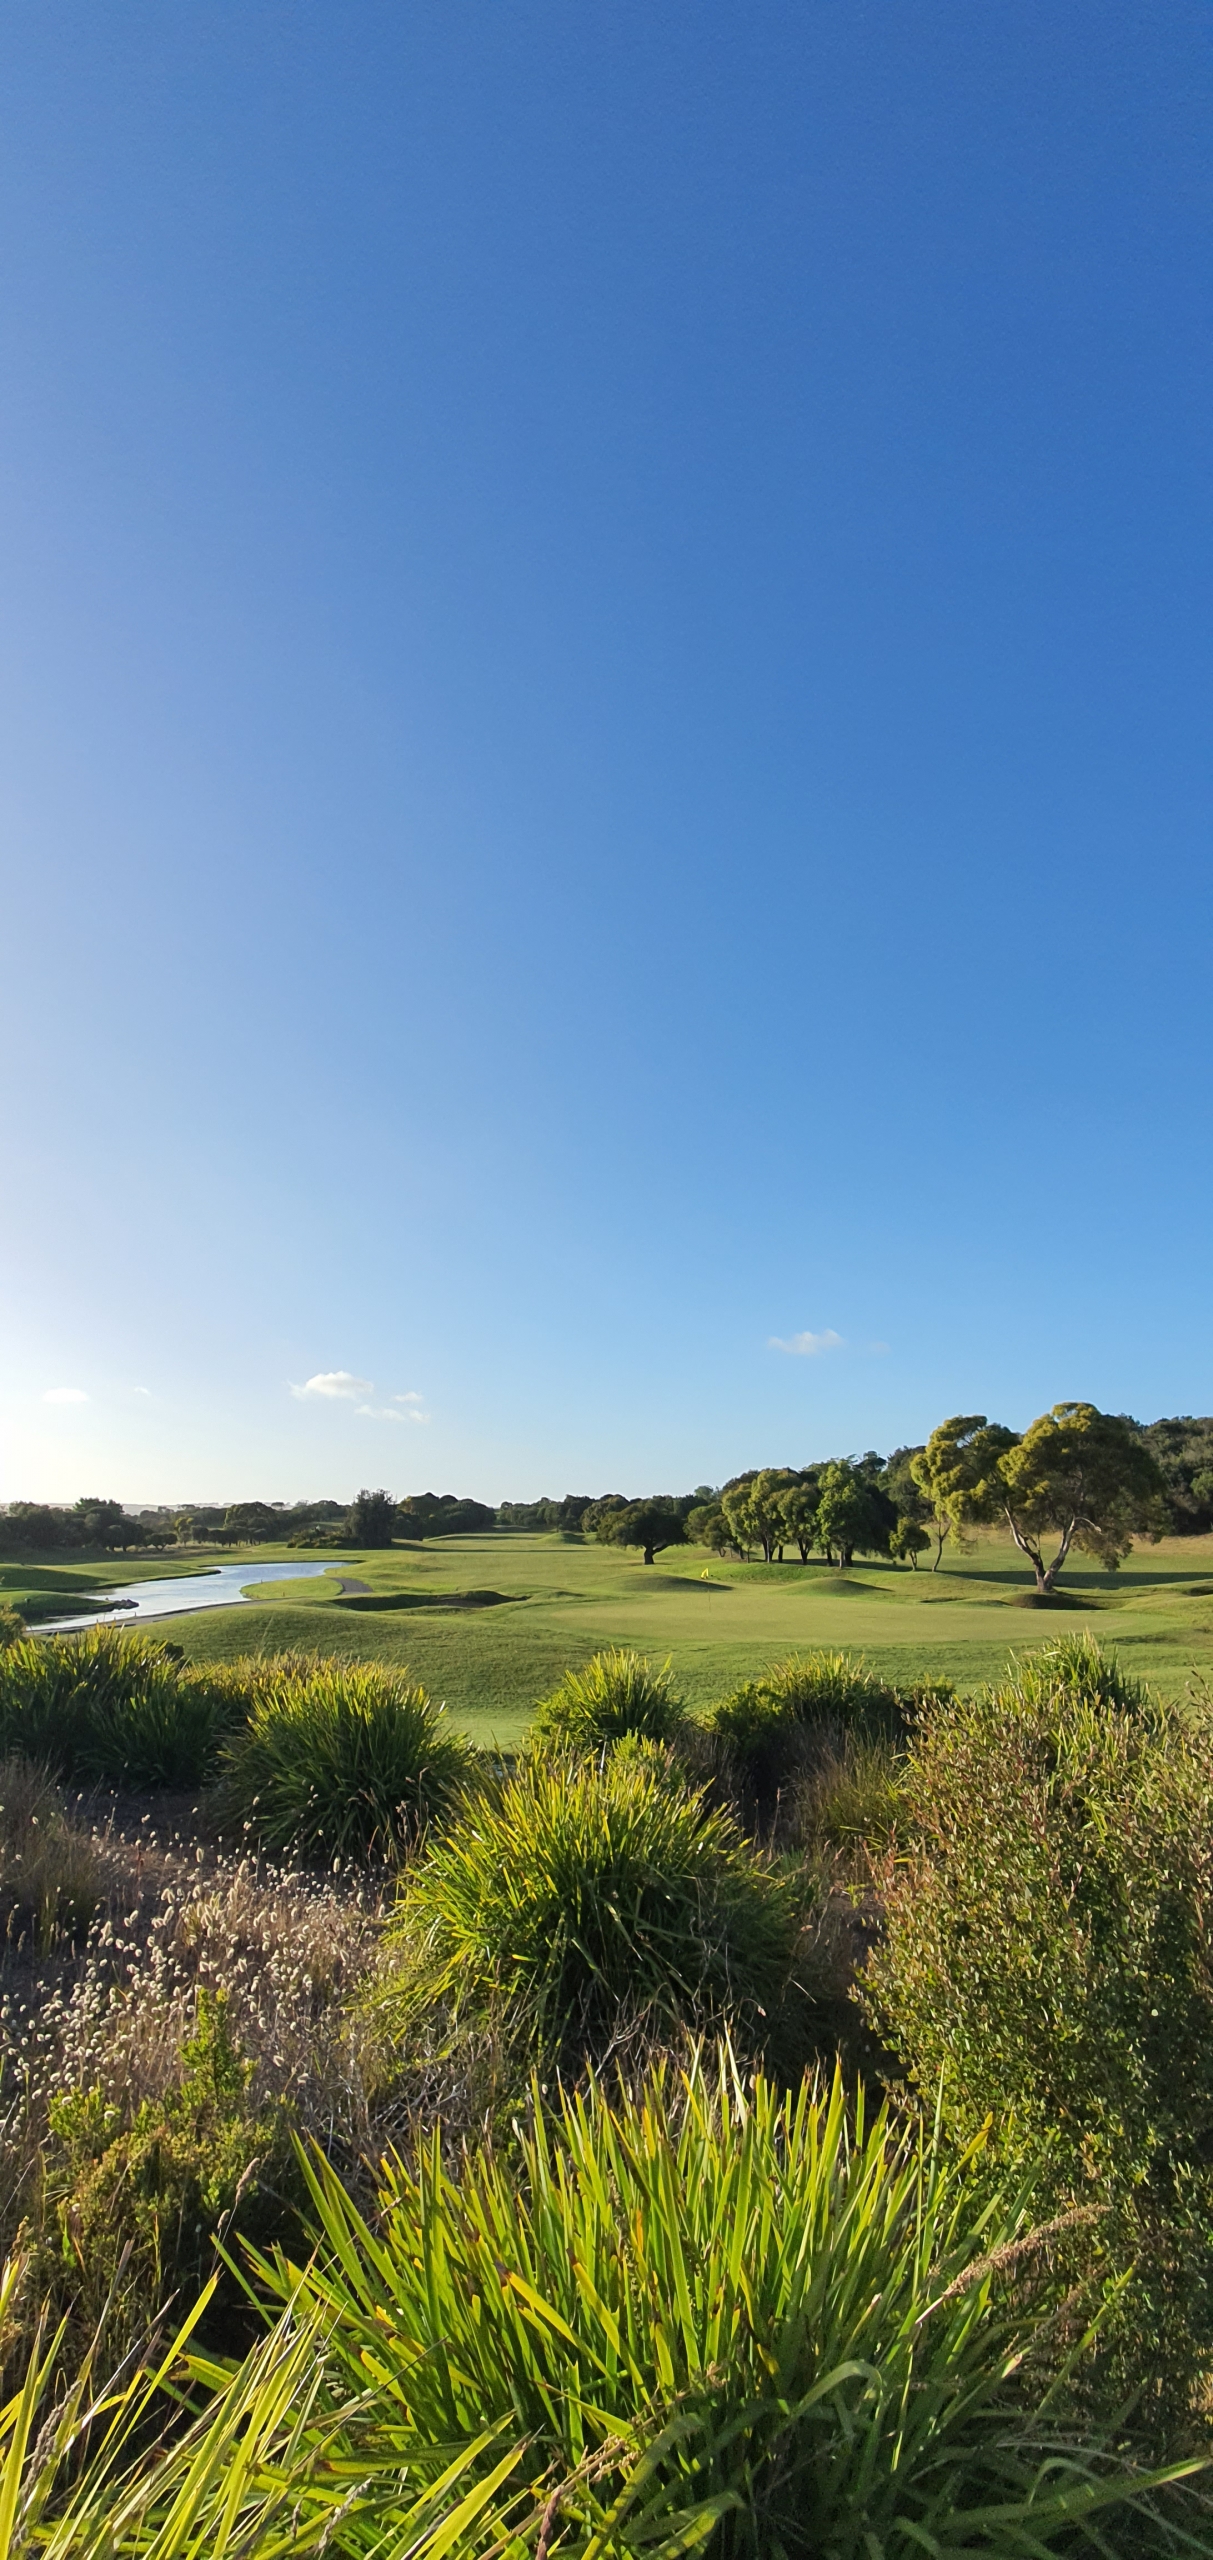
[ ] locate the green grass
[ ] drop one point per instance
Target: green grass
(566, 1602)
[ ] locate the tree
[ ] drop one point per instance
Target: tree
(707, 1525)
(755, 1509)
(956, 1474)
(908, 1541)
(852, 1512)
(101, 1523)
(1085, 1477)
(249, 1524)
(372, 1518)
(651, 1525)
(798, 1510)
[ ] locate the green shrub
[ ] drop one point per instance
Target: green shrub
(833, 1690)
(1049, 1960)
(110, 1704)
(341, 1760)
(12, 1625)
(616, 1694)
(852, 1798)
(718, 2319)
(140, 2203)
(769, 1734)
(589, 1896)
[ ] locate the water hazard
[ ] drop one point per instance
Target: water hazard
(215, 1587)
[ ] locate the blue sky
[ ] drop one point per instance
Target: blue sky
(604, 734)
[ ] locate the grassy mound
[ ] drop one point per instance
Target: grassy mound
(590, 1896)
(113, 1705)
(341, 1760)
(618, 1693)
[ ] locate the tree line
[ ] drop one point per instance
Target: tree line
(1089, 1481)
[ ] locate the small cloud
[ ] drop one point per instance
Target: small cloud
(877, 1349)
(141, 1391)
(329, 1383)
(807, 1346)
(65, 1395)
(390, 1412)
(409, 1397)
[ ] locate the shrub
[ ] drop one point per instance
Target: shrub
(141, 2204)
(852, 1798)
(717, 2318)
(593, 1896)
(1049, 1959)
(342, 1760)
(771, 1732)
(616, 1694)
(110, 1704)
(12, 1625)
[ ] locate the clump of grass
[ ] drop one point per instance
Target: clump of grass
(12, 1625)
(615, 1694)
(718, 2318)
(852, 1799)
(110, 1704)
(53, 1875)
(592, 1897)
(834, 1690)
(342, 1761)
(1075, 1668)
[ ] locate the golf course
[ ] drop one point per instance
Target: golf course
(490, 1622)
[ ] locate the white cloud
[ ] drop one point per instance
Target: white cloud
(410, 1396)
(807, 1346)
(412, 1404)
(65, 1395)
(141, 1391)
(329, 1383)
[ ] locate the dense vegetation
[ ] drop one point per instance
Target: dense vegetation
(796, 2115)
(1088, 1480)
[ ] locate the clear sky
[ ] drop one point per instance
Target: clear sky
(605, 728)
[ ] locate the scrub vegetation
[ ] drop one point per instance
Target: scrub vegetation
(779, 2125)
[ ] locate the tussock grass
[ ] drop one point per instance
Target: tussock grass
(341, 1761)
(588, 1896)
(616, 1694)
(111, 1704)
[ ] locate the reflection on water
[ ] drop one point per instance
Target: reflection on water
(214, 1587)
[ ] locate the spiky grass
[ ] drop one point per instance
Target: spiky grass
(616, 1694)
(110, 1704)
(591, 1894)
(342, 1760)
(718, 2318)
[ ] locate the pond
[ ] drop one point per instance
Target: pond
(213, 1587)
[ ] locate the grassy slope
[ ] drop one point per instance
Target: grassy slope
(567, 1600)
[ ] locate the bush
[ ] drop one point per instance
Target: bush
(717, 2319)
(851, 1800)
(12, 1625)
(1049, 1960)
(141, 2204)
(591, 1898)
(616, 1694)
(110, 1704)
(768, 1735)
(342, 1760)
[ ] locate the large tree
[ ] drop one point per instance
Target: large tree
(956, 1475)
(852, 1513)
(372, 1518)
(650, 1525)
(754, 1511)
(1084, 1477)
(798, 1511)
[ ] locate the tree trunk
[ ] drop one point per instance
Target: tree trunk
(648, 1555)
(940, 1536)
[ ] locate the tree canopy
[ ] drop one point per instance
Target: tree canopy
(1086, 1478)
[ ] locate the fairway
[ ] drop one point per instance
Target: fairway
(490, 1622)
